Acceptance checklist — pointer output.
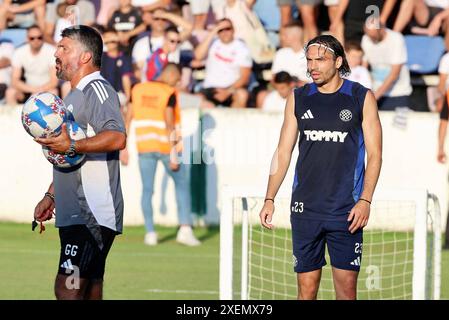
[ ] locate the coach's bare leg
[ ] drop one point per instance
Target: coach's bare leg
(69, 288)
(308, 284)
(345, 283)
(94, 290)
(239, 98)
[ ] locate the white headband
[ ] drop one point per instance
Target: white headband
(320, 45)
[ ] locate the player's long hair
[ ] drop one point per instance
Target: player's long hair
(330, 43)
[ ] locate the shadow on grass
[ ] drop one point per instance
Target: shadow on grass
(206, 233)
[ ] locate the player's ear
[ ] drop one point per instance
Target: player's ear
(338, 62)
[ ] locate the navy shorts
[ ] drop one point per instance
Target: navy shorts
(309, 238)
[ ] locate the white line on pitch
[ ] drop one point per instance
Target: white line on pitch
(181, 291)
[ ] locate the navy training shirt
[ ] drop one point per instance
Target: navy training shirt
(330, 168)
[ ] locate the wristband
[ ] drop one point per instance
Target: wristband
(266, 199)
(50, 195)
(364, 200)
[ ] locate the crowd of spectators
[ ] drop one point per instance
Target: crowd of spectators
(232, 53)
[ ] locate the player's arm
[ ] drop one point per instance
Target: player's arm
(281, 160)
(372, 133)
(44, 210)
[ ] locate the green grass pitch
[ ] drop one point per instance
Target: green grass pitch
(29, 263)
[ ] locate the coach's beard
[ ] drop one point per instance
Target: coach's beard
(60, 72)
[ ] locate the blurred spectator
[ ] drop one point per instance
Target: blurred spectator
(443, 71)
(6, 54)
(37, 61)
(440, 22)
(200, 10)
(22, 13)
(105, 11)
(355, 13)
(65, 19)
(152, 4)
(291, 58)
(269, 15)
(307, 9)
(228, 66)
(285, 9)
(158, 21)
(359, 73)
(159, 58)
(116, 67)
(127, 21)
(283, 84)
(423, 12)
(83, 12)
(250, 29)
(386, 53)
(156, 112)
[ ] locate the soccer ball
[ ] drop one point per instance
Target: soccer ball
(61, 160)
(43, 114)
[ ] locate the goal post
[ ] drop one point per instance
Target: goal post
(402, 243)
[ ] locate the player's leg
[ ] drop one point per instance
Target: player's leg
(308, 254)
(147, 166)
(345, 283)
(308, 284)
(345, 252)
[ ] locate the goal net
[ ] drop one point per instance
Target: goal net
(401, 249)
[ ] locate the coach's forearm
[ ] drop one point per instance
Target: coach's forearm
(278, 170)
(372, 173)
(51, 188)
(105, 141)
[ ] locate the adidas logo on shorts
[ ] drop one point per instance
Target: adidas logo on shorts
(356, 262)
(67, 264)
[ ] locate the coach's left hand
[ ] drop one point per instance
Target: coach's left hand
(58, 144)
(359, 215)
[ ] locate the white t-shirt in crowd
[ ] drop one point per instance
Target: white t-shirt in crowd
(361, 75)
(444, 67)
(382, 55)
(438, 3)
(224, 62)
(36, 67)
(6, 51)
(274, 102)
(295, 63)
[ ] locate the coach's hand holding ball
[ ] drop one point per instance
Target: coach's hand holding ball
(59, 143)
